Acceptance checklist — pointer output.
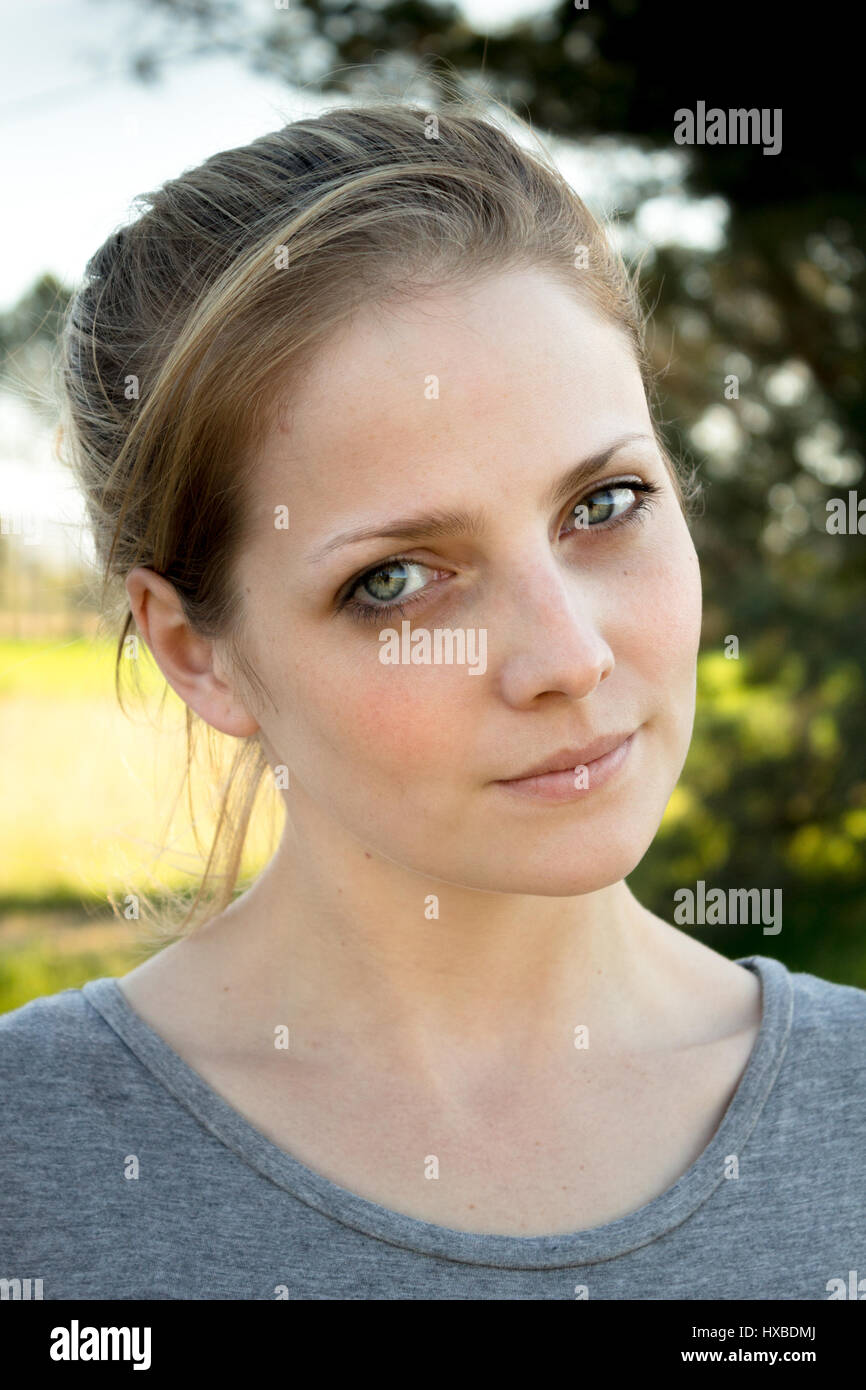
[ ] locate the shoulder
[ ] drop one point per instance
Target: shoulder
(826, 1007)
(41, 1020)
(45, 1021)
(44, 1042)
(827, 1045)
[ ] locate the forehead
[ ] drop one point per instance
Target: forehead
(513, 373)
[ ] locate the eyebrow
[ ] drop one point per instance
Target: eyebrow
(440, 523)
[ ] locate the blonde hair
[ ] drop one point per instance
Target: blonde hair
(191, 320)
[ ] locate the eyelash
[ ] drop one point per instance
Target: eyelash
(369, 612)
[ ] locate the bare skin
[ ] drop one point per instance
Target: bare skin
(454, 1034)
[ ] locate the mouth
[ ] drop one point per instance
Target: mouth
(572, 773)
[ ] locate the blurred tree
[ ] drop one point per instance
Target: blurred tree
(28, 342)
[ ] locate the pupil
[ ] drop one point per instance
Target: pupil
(606, 506)
(392, 588)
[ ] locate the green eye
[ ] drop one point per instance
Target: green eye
(611, 496)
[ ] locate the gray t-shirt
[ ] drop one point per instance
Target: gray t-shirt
(124, 1176)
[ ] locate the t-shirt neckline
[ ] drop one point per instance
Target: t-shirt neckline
(649, 1222)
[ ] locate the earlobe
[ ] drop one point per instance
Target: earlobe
(242, 725)
(211, 698)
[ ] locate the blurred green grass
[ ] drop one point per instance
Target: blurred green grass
(89, 800)
(43, 953)
(89, 792)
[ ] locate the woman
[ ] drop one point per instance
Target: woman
(361, 414)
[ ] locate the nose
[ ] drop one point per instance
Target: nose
(549, 637)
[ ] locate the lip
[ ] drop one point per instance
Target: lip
(554, 779)
(567, 759)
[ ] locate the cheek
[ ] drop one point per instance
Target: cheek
(662, 594)
(392, 719)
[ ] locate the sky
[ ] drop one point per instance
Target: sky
(80, 139)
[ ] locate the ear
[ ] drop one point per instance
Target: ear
(188, 662)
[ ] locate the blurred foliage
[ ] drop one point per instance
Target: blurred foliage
(770, 797)
(774, 790)
(52, 956)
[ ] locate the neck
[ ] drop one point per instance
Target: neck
(363, 957)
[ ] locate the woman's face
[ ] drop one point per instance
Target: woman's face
(474, 407)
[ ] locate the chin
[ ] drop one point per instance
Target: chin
(561, 870)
